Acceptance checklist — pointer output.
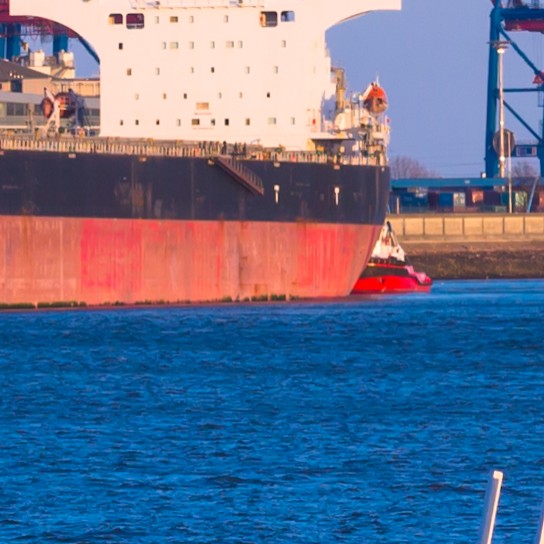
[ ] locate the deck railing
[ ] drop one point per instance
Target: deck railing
(150, 148)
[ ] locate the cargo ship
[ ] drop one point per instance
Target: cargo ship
(230, 161)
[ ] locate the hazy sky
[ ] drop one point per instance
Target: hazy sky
(431, 57)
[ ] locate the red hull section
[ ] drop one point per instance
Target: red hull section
(393, 279)
(99, 261)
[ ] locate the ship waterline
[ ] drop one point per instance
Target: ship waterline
(101, 261)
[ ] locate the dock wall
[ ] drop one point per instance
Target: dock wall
(473, 228)
(473, 246)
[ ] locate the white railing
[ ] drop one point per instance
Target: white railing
(144, 148)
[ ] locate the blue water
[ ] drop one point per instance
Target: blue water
(366, 420)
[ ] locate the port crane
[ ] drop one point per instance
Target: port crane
(13, 28)
(508, 16)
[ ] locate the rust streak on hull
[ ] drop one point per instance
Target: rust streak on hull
(98, 261)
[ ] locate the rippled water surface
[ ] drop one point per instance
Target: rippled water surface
(358, 421)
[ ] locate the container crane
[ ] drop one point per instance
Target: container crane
(14, 27)
(511, 16)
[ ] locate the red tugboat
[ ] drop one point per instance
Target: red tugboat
(389, 270)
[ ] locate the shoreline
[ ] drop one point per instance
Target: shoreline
(473, 245)
(473, 261)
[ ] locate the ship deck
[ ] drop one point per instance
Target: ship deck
(166, 148)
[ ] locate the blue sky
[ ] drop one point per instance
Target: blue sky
(431, 57)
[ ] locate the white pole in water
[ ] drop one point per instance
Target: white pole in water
(540, 534)
(492, 495)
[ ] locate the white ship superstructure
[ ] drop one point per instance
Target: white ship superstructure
(243, 71)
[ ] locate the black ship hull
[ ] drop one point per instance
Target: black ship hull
(98, 228)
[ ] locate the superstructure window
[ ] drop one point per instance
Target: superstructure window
(271, 120)
(115, 19)
(195, 122)
(120, 45)
(135, 20)
(287, 16)
(202, 106)
(174, 19)
(269, 18)
(13, 109)
(174, 45)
